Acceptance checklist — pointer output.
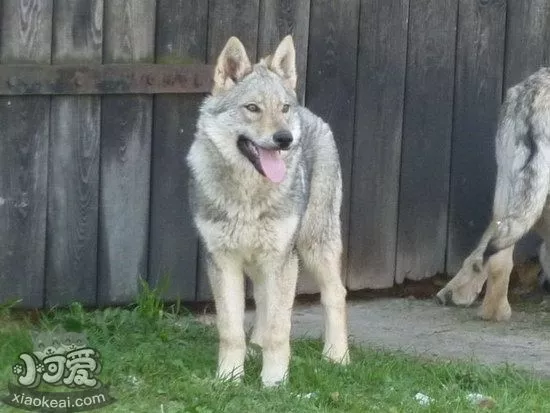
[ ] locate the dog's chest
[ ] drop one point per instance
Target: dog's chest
(248, 235)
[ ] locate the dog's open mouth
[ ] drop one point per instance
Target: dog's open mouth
(268, 162)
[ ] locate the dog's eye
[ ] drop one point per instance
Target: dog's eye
(252, 108)
(286, 108)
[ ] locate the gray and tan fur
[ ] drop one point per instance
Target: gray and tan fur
(266, 191)
(521, 200)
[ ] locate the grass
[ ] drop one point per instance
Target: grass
(158, 360)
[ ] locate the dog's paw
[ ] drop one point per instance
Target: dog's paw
(495, 312)
(274, 381)
(274, 374)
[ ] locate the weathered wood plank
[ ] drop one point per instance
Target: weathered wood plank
(104, 79)
(129, 29)
(26, 31)
(424, 184)
(23, 182)
(527, 49)
(77, 31)
(227, 18)
(181, 37)
(527, 39)
(330, 91)
(377, 146)
(478, 91)
(71, 260)
(24, 133)
(278, 19)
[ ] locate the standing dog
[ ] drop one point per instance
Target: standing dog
(521, 200)
(265, 190)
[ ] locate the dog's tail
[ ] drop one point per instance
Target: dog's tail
(523, 177)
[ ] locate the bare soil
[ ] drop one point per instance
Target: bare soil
(424, 328)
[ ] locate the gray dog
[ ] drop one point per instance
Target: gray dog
(520, 201)
(266, 191)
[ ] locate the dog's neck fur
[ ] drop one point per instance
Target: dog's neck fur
(237, 188)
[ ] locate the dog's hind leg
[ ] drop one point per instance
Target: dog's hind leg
(495, 304)
(520, 199)
(226, 279)
(324, 264)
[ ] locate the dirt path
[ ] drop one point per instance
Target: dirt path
(422, 327)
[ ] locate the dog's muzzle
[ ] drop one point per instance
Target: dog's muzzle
(267, 161)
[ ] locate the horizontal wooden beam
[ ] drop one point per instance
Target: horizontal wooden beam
(103, 79)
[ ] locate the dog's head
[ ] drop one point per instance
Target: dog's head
(251, 115)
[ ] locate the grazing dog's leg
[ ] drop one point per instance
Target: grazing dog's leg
(279, 299)
(495, 304)
(326, 268)
(226, 280)
(519, 204)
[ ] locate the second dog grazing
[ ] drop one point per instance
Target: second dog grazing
(266, 191)
(521, 200)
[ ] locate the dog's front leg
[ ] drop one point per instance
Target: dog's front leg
(260, 322)
(226, 279)
(280, 284)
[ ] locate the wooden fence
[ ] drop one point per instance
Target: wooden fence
(93, 136)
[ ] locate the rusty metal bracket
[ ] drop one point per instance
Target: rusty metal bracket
(103, 79)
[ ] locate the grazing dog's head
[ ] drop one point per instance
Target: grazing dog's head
(251, 116)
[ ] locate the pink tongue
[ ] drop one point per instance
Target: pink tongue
(272, 165)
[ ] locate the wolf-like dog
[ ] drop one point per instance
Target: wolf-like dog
(521, 201)
(266, 192)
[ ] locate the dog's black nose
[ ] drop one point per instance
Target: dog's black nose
(283, 138)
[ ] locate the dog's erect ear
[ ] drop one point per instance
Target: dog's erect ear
(232, 65)
(283, 62)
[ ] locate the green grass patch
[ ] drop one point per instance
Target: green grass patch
(158, 360)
